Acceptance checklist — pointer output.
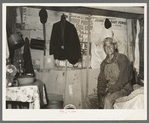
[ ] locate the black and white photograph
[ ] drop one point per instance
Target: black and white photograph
(74, 61)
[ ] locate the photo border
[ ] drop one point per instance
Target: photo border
(69, 116)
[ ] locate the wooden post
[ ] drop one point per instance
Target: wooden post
(65, 91)
(133, 37)
(82, 93)
(87, 70)
(127, 40)
(44, 35)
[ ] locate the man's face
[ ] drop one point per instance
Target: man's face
(109, 47)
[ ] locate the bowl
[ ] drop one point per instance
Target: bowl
(25, 80)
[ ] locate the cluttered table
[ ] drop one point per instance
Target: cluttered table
(34, 94)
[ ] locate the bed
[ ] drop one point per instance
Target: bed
(135, 100)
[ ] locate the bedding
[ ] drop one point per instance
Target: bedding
(135, 100)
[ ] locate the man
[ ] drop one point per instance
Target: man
(114, 80)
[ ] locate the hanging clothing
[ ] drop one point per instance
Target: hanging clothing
(136, 62)
(141, 49)
(115, 76)
(65, 43)
(27, 58)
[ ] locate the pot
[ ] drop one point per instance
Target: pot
(15, 41)
(70, 106)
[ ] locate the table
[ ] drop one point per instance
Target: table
(28, 93)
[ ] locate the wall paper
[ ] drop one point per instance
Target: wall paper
(120, 28)
(54, 79)
(99, 32)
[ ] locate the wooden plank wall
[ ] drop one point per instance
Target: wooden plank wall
(54, 81)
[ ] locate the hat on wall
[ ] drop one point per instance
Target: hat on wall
(43, 16)
(107, 23)
(108, 32)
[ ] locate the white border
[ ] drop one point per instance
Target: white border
(77, 4)
(17, 115)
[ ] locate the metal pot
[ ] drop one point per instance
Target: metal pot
(16, 41)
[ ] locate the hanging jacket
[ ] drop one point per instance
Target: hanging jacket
(125, 75)
(69, 40)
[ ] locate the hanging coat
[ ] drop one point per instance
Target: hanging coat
(27, 58)
(70, 41)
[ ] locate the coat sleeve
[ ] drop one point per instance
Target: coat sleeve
(102, 82)
(51, 47)
(125, 74)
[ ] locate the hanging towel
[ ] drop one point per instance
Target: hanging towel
(136, 62)
(27, 58)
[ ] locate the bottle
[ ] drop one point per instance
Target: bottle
(8, 61)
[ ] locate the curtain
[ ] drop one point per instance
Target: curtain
(141, 49)
(129, 40)
(137, 55)
(134, 31)
(140, 73)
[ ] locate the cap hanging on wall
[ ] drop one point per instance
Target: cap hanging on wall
(43, 19)
(107, 23)
(43, 16)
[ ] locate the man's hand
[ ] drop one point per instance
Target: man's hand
(107, 89)
(112, 89)
(108, 94)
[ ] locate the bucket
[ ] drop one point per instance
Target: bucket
(16, 41)
(55, 105)
(70, 106)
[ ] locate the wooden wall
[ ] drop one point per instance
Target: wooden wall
(54, 81)
(54, 78)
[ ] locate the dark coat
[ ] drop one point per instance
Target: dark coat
(123, 82)
(125, 75)
(70, 41)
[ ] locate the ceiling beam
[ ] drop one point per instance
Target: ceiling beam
(93, 11)
(129, 9)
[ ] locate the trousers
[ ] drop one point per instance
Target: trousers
(91, 101)
(111, 98)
